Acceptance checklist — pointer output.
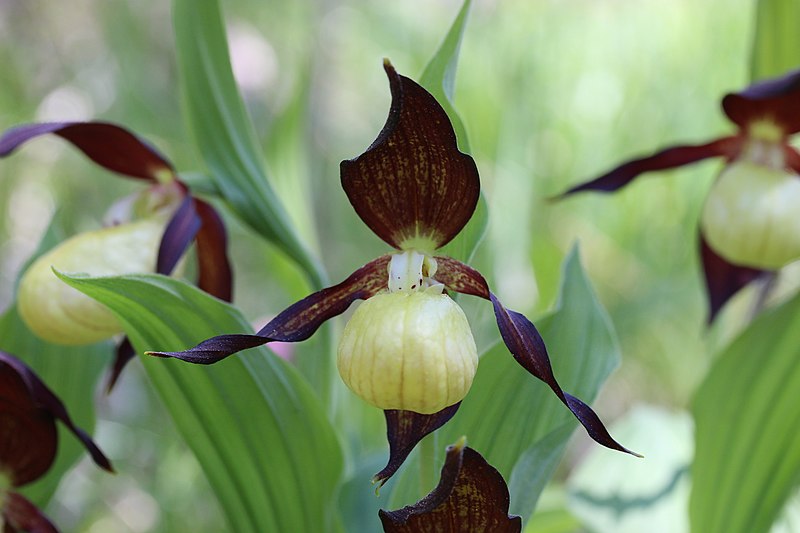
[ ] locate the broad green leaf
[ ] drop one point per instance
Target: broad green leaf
(508, 412)
(776, 41)
(534, 469)
(255, 425)
(72, 372)
(439, 78)
(223, 132)
(747, 417)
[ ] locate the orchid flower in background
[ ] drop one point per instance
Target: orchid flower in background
(749, 222)
(28, 442)
(147, 232)
(408, 349)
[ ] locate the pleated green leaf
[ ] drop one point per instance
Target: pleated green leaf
(511, 417)
(776, 43)
(255, 425)
(223, 132)
(747, 417)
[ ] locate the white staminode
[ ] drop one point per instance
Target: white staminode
(411, 270)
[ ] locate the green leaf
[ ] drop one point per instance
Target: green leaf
(776, 41)
(72, 372)
(256, 427)
(439, 78)
(747, 457)
(223, 132)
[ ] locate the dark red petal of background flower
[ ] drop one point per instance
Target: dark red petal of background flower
(214, 268)
(44, 399)
(22, 515)
(178, 236)
(299, 321)
(28, 438)
(524, 343)
(405, 429)
(413, 179)
(792, 158)
(471, 496)
(671, 157)
(108, 145)
(723, 279)
(122, 356)
(777, 100)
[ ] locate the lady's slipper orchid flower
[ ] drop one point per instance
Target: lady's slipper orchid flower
(147, 232)
(28, 442)
(408, 349)
(749, 222)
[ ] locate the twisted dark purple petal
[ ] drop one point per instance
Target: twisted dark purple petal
(108, 145)
(775, 100)
(299, 321)
(723, 279)
(671, 157)
(405, 429)
(471, 496)
(524, 342)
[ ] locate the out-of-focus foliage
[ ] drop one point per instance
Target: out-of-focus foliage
(550, 93)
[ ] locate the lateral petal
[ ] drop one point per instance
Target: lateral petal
(675, 156)
(297, 322)
(108, 145)
(524, 342)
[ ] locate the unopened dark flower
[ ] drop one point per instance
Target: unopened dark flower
(749, 222)
(147, 232)
(29, 441)
(408, 349)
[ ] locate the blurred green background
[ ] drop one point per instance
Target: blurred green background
(552, 92)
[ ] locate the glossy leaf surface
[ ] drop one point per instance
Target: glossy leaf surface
(748, 428)
(254, 424)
